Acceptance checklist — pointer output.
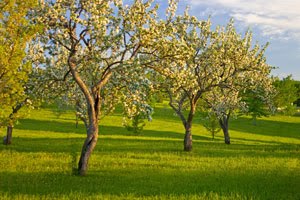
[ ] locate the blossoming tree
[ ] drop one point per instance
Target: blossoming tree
(101, 44)
(222, 64)
(242, 68)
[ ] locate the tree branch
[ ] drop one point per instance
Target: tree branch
(179, 110)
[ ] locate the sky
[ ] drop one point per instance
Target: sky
(273, 21)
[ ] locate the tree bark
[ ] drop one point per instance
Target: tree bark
(188, 141)
(87, 148)
(8, 139)
(93, 107)
(224, 125)
(226, 136)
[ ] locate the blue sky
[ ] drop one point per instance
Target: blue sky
(274, 21)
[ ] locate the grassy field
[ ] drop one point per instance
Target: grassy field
(263, 161)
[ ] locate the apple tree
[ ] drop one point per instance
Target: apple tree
(101, 44)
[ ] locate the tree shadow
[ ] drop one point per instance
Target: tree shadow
(106, 143)
(279, 150)
(115, 138)
(257, 141)
(69, 127)
(266, 127)
(50, 126)
(127, 144)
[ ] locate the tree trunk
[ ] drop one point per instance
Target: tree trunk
(8, 137)
(93, 100)
(187, 122)
(226, 136)
(224, 126)
(87, 149)
(188, 140)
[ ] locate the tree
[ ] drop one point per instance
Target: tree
(136, 121)
(222, 64)
(35, 92)
(243, 68)
(211, 123)
(100, 43)
(224, 103)
(258, 103)
(286, 95)
(181, 75)
(15, 31)
(297, 85)
(136, 111)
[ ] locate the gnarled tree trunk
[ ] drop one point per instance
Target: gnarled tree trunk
(224, 125)
(92, 96)
(87, 148)
(226, 136)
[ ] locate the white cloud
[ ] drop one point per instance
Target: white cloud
(276, 18)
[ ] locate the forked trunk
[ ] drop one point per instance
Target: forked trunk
(187, 122)
(188, 141)
(87, 149)
(93, 99)
(8, 138)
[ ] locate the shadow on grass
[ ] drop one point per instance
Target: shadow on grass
(266, 127)
(108, 145)
(242, 124)
(151, 182)
(53, 126)
(105, 144)
(166, 114)
(118, 139)
(69, 127)
(257, 141)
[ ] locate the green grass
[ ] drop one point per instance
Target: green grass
(263, 161)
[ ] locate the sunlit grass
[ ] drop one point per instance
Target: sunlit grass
(263, 161)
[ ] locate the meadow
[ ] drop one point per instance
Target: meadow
(263, 161)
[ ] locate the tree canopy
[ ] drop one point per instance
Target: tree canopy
(102, 45)
(96, 54)
(222, 64)
(15, 31)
